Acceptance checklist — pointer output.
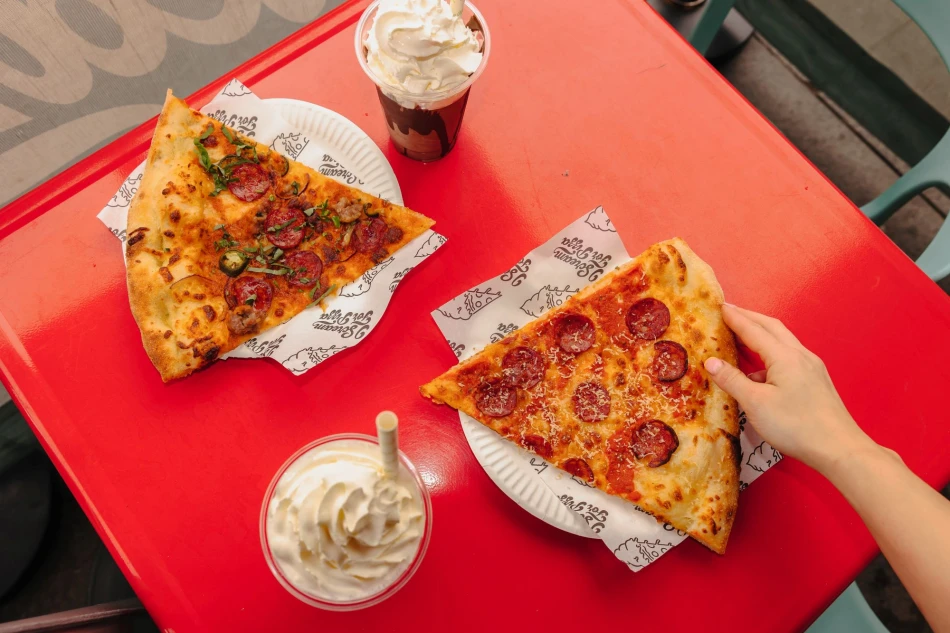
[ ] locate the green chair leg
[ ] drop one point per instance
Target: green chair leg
(850, 613)
(709, 23)
(929, 172)
(935, 260)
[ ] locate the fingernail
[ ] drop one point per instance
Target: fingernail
(713, 365)
(726, 303)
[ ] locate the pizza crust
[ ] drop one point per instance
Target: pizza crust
(176, 289)
(697, 489)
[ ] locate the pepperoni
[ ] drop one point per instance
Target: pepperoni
(284, 227)
(522, 367)
(249, 182)
(654, 440)
(669, 360)
(648, 318)
(579, 468)
(369, 237)
(538, 444)
(496, 399)
(305, 268)
(591, 402)
(238, 291)
(575, 333)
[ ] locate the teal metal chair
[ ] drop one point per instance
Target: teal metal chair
(932, 17)
(710, 21)
(850, 613)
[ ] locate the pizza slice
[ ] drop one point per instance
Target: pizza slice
(610, 387)
(227, 238)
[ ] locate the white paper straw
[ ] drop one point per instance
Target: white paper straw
(387, 430)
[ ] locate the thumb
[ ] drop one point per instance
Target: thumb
(730, 379)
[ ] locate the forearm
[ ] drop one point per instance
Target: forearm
(909, 520)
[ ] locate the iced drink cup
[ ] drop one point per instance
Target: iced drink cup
(338, 532)
(422, 83)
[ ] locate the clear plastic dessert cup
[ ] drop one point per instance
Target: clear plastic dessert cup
(400, 577)
(423, 126)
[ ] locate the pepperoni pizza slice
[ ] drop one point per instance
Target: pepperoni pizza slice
(227, 238)
(610, 387)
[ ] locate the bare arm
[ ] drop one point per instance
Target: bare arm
(794, 405)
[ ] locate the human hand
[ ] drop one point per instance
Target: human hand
(792, 403)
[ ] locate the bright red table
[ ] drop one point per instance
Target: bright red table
(576, 108)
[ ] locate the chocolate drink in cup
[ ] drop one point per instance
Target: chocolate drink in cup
(423, 56)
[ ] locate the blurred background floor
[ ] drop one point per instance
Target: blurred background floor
(128, 61)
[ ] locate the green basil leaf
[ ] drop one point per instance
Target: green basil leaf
(323, 296)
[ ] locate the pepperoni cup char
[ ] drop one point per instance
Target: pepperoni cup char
(670, 360)
(574, 332)
(249, 182)
(496, 399)
(654, 440)
(591, 402)
(648, 318)
(522, 367)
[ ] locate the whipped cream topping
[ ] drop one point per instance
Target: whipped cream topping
(422, 46)
(337, 528)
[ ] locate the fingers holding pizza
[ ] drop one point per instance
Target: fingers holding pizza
(792, 403)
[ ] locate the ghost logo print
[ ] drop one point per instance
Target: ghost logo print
(126, 192)
(363, 284)
(545, 299)
(597, 219)
(763, 457)
(310, 357)
(467, 304)
(290, 144)
(638, 554)
(431, 245)
(235, 89)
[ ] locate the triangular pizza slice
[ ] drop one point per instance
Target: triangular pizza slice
(227, 238)
(610, 387)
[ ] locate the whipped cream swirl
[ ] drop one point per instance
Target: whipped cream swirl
(338, 529)
(421, 46)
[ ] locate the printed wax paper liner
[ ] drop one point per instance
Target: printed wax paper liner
(543, 279)
(314, 335)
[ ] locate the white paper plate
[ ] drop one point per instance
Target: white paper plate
(509, 466)
(349, 144)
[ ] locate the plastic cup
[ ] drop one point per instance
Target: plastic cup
(406, 467)
(423, 127)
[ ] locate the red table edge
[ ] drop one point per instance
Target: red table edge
(61, 186)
